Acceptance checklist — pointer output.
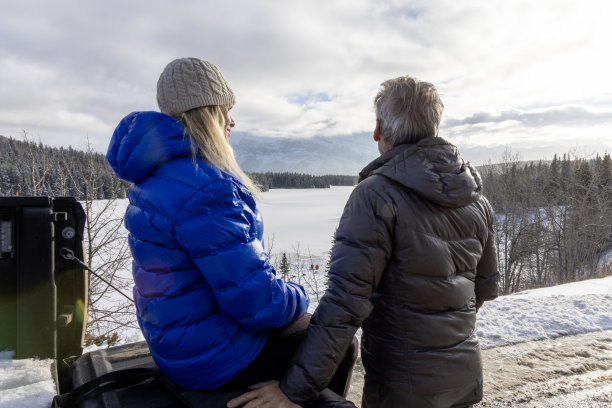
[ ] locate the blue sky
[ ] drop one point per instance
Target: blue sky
(533, 76)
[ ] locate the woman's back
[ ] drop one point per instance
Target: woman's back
(205, 292)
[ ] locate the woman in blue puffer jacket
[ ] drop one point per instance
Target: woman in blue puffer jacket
(207, 298)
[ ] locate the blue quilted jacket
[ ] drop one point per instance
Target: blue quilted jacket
(205, 292)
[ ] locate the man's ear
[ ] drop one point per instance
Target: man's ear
(377, 134)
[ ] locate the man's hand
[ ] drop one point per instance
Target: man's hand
(263, 395)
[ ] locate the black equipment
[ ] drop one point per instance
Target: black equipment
(43, 296)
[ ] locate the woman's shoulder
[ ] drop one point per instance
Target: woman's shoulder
(197, 174)
(204, 183)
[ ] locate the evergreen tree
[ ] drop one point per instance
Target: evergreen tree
(284, 267)
(565, 176)
(604, 171)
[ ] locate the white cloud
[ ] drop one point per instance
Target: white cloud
(73, 68)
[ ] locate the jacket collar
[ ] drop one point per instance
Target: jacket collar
(432, 168)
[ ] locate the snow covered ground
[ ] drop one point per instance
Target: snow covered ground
(569, 371)
(308, 218)
(545, 313)
(25, 383)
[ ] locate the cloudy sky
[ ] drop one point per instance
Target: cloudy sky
(535, 76)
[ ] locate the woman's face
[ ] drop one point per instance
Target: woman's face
(229, 122)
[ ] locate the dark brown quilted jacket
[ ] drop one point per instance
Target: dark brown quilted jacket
(414, 259)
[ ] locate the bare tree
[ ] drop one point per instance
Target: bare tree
(38, 166)
(314, 277)
(553, 221)
(108, 255)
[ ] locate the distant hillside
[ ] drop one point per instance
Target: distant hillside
(326, 155)
(317, 156)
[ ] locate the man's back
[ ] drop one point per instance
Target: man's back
(415, 268)
(421, 329)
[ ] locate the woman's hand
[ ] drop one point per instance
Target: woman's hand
(263, 395)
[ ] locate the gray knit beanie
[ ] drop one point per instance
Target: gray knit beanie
(189, 83)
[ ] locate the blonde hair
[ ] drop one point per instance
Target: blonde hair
(408, 110)
(205, 127)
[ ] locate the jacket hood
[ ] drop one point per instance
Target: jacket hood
(143, 141)
(433, 169)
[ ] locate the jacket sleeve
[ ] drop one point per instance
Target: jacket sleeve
(218, 231)
(360, 255)
(487, 275)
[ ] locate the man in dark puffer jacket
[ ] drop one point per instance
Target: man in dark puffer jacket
(414, 260)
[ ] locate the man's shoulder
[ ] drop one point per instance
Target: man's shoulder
(369, 189)
(384, 188)
(375, 183)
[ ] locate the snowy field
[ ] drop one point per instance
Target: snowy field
(308, 218)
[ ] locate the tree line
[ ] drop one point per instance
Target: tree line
(554, 219)
(270, 180)
(29, 168)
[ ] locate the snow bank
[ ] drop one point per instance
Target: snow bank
(538, 314)
(25, 383)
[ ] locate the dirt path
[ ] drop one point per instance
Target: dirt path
(572, 371)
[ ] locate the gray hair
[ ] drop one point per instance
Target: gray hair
(408, 110)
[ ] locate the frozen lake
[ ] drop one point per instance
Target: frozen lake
(304, 217)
